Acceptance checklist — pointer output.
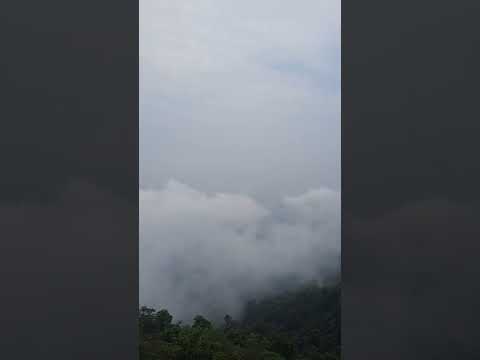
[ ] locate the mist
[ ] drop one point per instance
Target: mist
(208, 254)
(239, 158)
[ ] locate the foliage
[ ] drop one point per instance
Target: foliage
(299, 325)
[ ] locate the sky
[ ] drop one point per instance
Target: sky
(239, 149)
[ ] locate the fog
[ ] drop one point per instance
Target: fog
(239, 150)
(210, 253)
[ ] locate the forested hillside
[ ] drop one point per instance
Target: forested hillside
(303, 324)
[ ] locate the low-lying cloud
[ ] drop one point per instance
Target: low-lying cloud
(209, 253)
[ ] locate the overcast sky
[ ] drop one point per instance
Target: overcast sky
(239, 122)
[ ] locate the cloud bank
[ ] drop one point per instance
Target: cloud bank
(209, 253)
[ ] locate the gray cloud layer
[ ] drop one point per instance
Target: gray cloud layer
(248, 91)
(208, 254)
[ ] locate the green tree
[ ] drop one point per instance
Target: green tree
(200, 322)
(163, 319)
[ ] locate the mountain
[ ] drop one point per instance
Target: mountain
(294, 325)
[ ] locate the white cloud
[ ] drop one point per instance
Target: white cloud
(242, 100)
(202, 253)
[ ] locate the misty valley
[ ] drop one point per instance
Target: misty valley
(239, 180)
(210, 291)
(291, 325)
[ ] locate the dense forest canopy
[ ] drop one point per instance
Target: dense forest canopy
(294, 325)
